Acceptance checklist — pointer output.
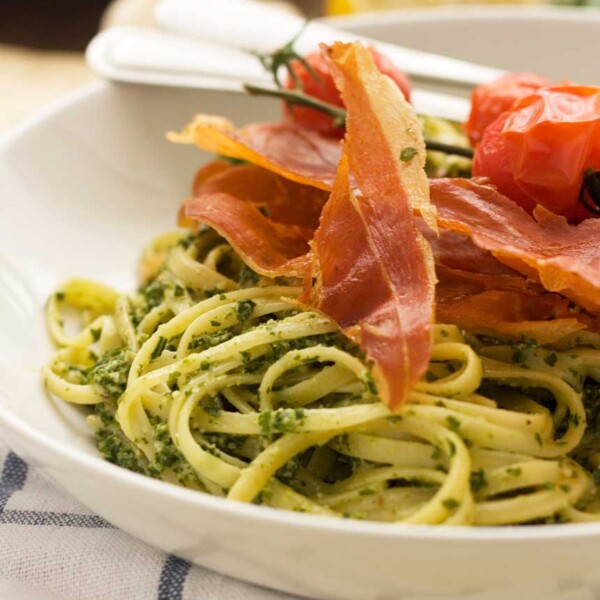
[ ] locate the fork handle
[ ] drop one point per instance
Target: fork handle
(249, 25)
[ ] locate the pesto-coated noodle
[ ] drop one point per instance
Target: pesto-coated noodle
(213, 378)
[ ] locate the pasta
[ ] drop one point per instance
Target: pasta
(214, 378)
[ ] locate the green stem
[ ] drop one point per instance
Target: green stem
(298, 98)
(449, 149)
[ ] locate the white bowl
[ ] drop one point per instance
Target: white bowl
(86, 184)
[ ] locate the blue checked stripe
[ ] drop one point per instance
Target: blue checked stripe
(14, 475)
(172, 578)
(12, 480)
(36, 517)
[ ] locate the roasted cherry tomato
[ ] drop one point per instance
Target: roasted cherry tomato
(490, 100)
(323, 87)
(546, 150)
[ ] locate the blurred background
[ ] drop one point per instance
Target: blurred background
(42, 41)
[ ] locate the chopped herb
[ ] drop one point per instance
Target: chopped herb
(172, 380)
(117, 449)
(450, 503)
(106, 412)
(408, 154)
(96, 334)
(453, 423)
(209, 340)
(60, 296)
(478, 480)
(205, 365)
(370, 383)
(262, 497)
(366, 492)
(518, 356)
(153, 294)
(160, 346)
(211, 405)
(244, 310)
(437, 453)
(111, 371)
(395, 418)
(283, 420)
(452, 447)
(514, 471)
(215, 323)
(551, 359)
(264, 420)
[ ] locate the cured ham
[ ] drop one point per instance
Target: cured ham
(384, 304)
(284, 148)
(476, 291)
(284, 201)
(369, 262)
(385, 143)
(563, 258)
(372, 270)
(504, 305)
(268, 248)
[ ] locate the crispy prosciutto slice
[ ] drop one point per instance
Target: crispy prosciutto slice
(284, 201)
(368, 267)
(284, 148)
(563, 258)
(385, 143)
(372, 270)
(267, 247)
(504, 313)
(233, 199)
(505, 305)
(476, 291)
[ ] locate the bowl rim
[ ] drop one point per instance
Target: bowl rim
(96, 466)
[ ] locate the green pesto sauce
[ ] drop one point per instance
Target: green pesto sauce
(110, 372)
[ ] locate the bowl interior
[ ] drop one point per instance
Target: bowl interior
(83, 190)
(558, 42)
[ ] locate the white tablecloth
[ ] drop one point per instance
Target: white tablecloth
(53, 548)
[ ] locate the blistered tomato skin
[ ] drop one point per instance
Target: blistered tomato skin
(539, 151)
(490, 100)
(323, 88)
